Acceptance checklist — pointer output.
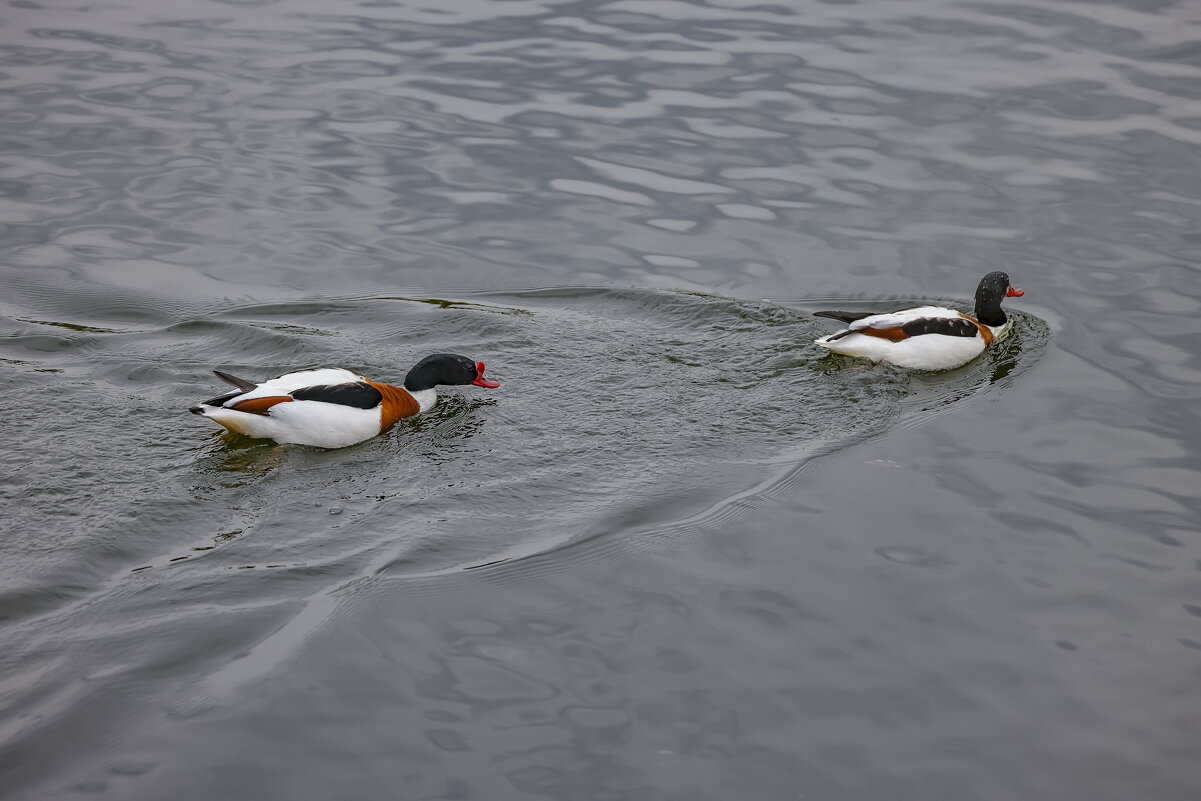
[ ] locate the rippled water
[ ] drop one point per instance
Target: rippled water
(681, 553)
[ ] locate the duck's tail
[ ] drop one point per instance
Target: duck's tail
(843, 317)
(240, 383)
(218, 402)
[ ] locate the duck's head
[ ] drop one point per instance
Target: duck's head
(993, 289)
(446, 369)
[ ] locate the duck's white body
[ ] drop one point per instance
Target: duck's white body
(926, 337)
(308, 422)
(925, 352)
(331, 407)
(304, 423)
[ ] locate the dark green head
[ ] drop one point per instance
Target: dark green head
(446, 369)
(993, 289)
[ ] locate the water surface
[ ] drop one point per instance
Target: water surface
(681, 553)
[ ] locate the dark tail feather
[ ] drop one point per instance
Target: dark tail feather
(240, 383)
(844, 316)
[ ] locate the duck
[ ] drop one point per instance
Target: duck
(331, 407)
(927, 337)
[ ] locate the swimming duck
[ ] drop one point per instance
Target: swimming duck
(926, 337)
(332, 407)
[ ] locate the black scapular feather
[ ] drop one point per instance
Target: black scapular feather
(947, 326)
(356, 394)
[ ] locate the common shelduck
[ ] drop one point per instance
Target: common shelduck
(926, 337)
(332, 407)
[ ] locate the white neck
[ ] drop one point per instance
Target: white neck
(426, 398)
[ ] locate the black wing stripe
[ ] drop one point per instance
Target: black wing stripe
(221, 399)
(356, 394)
(947, 326)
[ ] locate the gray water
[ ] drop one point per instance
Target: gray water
(681, 553)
